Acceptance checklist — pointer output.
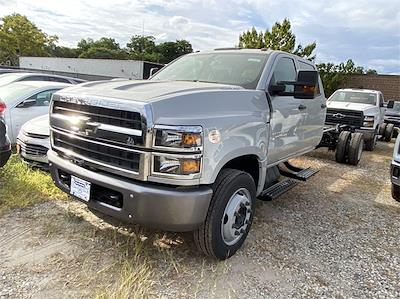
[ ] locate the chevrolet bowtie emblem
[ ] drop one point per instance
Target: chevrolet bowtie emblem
(339, 115)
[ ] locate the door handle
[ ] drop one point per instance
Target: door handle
(302, 107)
(323, 105)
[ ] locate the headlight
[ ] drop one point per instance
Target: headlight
(180, 137)
(177, 166)
(368, 121)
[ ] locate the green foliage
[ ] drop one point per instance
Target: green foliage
(333, 76)
(21, 186)
(172, 50)
(20, 37)
(145, 48)
(280, 37)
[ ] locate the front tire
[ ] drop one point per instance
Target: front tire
(396, 192)
(229, 216)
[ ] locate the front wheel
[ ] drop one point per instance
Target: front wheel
(229, 216)
(396, 192)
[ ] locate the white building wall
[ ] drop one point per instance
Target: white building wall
(131, 69)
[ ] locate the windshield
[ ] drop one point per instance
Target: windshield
(243, 69)
(396, 107)
(354, 97)
(8, 78)
(11, 92)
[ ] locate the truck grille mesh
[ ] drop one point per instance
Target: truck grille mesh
(105, 137)
(345, 117)
(112, 156)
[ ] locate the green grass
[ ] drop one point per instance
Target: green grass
(22, 186)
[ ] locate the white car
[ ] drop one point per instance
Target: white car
(25, 101)
(361, 109)
(33, 141)
(24, 76)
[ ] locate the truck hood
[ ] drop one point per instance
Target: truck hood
(144, 90)
(392, 113)
(349, 106)
(39, 125)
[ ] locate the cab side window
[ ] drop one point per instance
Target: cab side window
(285, 70)
(43, 98)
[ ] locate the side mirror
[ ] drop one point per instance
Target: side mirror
(304, 86)
(306, 83)
(390, 104)
(153, 71)
(27, 103)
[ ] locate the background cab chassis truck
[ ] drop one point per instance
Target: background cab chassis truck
(193, 147)
(359, 110)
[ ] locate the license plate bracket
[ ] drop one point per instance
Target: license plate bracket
(80, 188)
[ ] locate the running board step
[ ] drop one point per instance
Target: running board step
(302, 174)
(277, 189)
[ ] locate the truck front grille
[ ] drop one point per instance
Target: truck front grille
(105, 138)
(113, 156)
(345, 117)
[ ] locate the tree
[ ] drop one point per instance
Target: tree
(103, 48)
(21, 37)
(172, 50)
(141, 44)
(333, 76)
(280, 37)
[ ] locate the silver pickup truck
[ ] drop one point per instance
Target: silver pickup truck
(193, 147)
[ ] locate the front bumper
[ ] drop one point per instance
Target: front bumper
(169, 208)
(33, 150)
(395, 173)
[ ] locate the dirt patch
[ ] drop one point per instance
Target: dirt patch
(336, 235)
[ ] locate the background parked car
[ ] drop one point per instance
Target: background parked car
(18, 77)
(6, 71)
(25, 101)
(5, 146)
(33, 141)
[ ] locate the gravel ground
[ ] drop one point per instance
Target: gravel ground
(336, 235)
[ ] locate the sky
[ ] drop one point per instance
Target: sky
(367, 31)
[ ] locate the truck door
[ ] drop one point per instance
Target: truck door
(287, 116)
(314, 119)
(381, 108)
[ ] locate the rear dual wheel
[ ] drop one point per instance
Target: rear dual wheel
(388, 134)
(349, 148)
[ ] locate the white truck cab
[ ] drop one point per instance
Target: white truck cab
(362, 109)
